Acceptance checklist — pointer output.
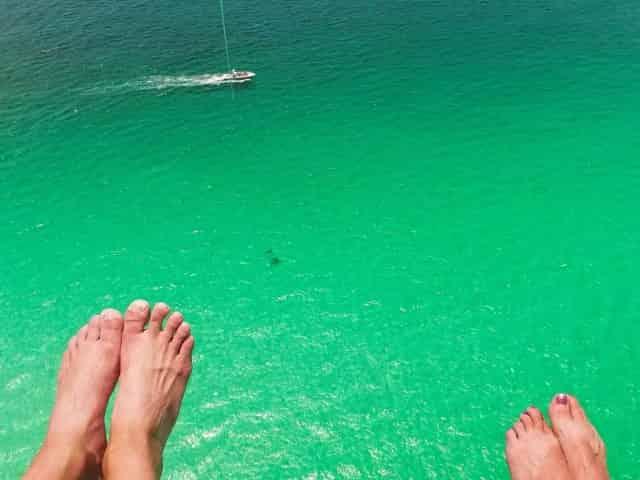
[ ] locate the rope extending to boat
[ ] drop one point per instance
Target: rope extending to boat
(224, 31)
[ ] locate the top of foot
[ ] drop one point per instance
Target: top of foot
(582, 446)
(532, 450)
(155, 368)
(88, 374)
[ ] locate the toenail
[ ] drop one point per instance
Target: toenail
(562, 399)
(139, 305)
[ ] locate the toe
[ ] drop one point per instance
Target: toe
(111, 324)
(559, 410)
(527, 421)
(577, 412)
(183, 332)
(74, 342)
(599, 447)
(187, 348)
(93, 332)
(510, 437)
(184, 357)
(518, 428)
(72, 345)
(136, 317)
(82, 334)
(172, 324)
(72, 348)
(160, 310)
(536, 418)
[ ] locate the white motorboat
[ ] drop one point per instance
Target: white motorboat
(237, 76)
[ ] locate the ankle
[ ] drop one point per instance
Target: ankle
(135, 450)
(133, 435)
(62, 457)
(87, 435)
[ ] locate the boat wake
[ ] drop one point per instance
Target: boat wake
(163, 82)
(159, 82)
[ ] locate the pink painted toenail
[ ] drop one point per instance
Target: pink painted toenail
(562, 399)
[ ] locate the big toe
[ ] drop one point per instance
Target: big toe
(111, 325)
(560, 411)
(136, 317)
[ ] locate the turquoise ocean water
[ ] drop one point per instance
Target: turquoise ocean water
(450, 187)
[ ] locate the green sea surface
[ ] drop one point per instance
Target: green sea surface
(451, 189)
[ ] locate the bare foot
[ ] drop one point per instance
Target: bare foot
(75, 441)
(155, 368)
(533, 452)
(582, 446)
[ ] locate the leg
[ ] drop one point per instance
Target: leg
(532, 450)
(582, 446)
(155, 368)
(75, 441)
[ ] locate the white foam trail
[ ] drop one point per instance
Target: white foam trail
(161, 82)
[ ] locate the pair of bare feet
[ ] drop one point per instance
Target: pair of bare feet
(153, 366)
(569, 450)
